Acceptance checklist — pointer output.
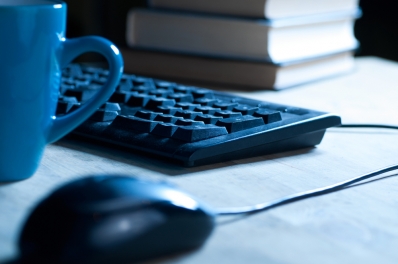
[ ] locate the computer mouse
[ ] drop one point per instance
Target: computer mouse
(114, 219)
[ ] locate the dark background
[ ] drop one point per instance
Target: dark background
(377, 29)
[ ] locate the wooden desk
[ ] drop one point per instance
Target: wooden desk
(357, 225)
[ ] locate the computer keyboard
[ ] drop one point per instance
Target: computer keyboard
(188, 125)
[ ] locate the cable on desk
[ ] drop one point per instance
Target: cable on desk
(302, 195)
(312, 193)
(367, 126)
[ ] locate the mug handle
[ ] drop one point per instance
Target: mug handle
(71, 48)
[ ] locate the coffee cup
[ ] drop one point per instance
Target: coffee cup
(33, 51)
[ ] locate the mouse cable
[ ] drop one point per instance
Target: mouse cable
(367, 126)
(302, 195)
(311, 193)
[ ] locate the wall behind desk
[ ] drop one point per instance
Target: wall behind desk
(106, 18)
(377, 30)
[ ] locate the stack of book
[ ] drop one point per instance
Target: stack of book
(249, 43)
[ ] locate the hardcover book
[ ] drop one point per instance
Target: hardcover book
(243, 75)
(271, 9)
(276, 41)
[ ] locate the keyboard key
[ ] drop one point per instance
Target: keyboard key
(69, 82)
(297, 111)
(227, 114)
(183, 89)
(139, 99)
(143, 89)
(125, 85)
(197, 133)
(64, 87)
(149, 115)
(99, 80)
(153, 103)
(81, 94)
(202, 93)
(126, 76)
(102, 115)
(84, 84)
(69, 99)
(171, 110)
(167, 118)
(225, 106)
(111, 107)
(208, 119)
(206, 101)
(245, 109)
(189, 122)
(104, 73)
(84, 78)
(235, 124)
(73, 70)
(121, 97)
(134, 124)
(164, 130)
(160, 92)
(91, 70)
(75, 106)
(164, 85)
(207, 110)
(285, 109)
(142, 82)
(187, 114)
(64, 107)
(181, 97)
(187, 106)
(268, 116)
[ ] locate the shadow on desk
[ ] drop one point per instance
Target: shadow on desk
(150, 162)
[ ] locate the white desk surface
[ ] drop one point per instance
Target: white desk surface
(356, 225)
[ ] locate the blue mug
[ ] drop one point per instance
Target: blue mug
(33, 51)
